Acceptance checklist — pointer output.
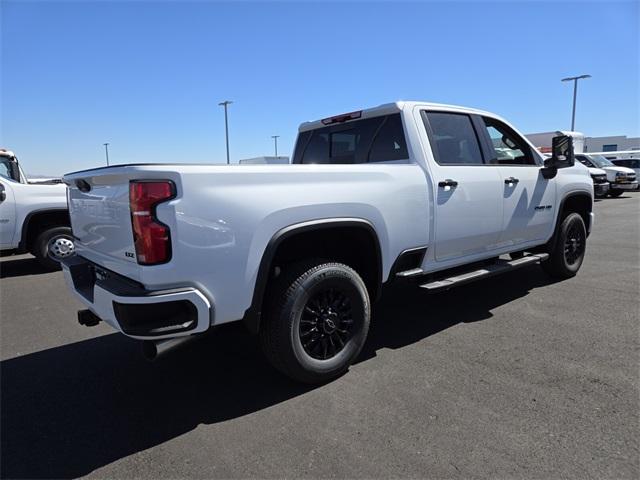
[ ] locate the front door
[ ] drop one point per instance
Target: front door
(528, 198)
(468, 193)
(7, 214)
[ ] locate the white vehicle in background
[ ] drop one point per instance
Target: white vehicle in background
(599, 178)
(426, 194)
(621, 179)
(34, 216)
(632, 163)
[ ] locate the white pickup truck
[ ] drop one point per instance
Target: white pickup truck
(431, 195)
(33, 215)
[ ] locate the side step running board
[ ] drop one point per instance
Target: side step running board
(415, 272)
(500, 266)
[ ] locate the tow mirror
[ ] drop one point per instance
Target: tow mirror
(562, 155)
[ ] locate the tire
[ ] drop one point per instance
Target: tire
(616, 193)
(569, 248)
(52, 245)
(315, 306)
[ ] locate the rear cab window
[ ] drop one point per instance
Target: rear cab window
(370, 140)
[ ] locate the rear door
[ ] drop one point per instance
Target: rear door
(468, 203)
(529, 200)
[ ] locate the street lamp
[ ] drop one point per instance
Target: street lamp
(275, 141)
(575, 92)
(106, 152)
(226, 125)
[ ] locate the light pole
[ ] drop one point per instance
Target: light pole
(226, 125)
(275, 141)
(106, 152)
(575, 92)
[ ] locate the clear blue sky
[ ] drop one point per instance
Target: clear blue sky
(147, 76)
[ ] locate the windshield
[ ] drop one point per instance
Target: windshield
(600, 161)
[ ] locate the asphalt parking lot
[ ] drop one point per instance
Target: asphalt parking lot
(514, 377)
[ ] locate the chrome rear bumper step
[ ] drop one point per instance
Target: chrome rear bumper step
(500, 266)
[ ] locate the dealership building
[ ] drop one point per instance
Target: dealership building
(616, 143)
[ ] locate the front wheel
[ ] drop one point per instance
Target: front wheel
(317, 322)
(616, 193)
(569, 248)
(52, 246)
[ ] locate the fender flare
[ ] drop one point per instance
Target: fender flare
(253, 314)
(576, 193)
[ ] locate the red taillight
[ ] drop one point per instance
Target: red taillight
(151, 238)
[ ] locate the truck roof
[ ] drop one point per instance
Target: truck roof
(6, 153)
(385, 109)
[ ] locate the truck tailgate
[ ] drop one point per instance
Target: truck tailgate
(101, 218)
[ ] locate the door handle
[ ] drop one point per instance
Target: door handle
(510, 180)
(448, 183)
(3, 194)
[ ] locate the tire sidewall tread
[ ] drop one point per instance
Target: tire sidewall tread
(279, 334)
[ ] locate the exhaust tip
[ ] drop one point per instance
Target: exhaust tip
(88, 318)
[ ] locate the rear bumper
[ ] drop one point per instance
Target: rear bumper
(128, 307)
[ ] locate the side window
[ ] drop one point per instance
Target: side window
(508, 147)
(390, 142)
(454, 139)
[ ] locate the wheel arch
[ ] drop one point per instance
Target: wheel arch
(580, 202)
(294, 235)
(36, 221)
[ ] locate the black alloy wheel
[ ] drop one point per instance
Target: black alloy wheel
(326, 324)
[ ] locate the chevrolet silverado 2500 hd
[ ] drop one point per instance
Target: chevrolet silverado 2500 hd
(427, 194)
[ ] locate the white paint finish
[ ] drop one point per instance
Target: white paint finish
(101, 219)
(27, 198)
(7, 216)
(224, 216)
(468, 217)
(529, 206)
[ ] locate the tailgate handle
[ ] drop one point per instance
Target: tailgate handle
(83, 185)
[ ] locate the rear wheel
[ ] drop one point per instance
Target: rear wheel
(616, 193)
(52, 246)
(317, 322)
(570, 245)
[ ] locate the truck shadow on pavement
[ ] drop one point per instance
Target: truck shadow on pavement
(70, 410)
(21, 267)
